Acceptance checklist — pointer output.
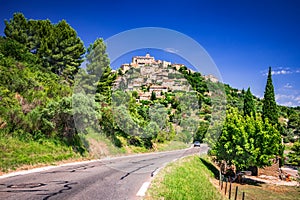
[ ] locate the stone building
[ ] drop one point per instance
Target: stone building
(158, 89)
(125, 67)
(142, 60)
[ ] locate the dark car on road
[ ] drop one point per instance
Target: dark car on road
(196, 144)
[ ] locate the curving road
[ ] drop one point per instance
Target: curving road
(111, 178)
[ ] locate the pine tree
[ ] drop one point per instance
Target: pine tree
(98, 66)
(269, 103)
(17, 28)
(62, 50)
(57, 45)
(249, 107)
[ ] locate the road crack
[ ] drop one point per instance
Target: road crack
(135, 170)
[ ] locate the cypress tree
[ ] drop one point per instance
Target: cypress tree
(269, 103)
(153, 96)
(249, 107)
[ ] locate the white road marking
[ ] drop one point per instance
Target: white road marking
(40, 169)
(154, 173)
(143, 189)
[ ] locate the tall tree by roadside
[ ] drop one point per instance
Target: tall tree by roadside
(248, 141)
(249, 107)
(269, 103)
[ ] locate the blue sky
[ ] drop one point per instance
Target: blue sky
(243, 38)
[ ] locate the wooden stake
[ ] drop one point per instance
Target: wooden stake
(229, 195)
(222, 185)
(226, 187)
(236, 192)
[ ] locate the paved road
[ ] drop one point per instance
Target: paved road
(116, 178)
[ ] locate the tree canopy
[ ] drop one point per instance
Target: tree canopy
(57, 45)
(248, 141)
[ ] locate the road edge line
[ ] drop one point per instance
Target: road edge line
(142, 191)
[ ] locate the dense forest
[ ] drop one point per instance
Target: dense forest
(49, 104)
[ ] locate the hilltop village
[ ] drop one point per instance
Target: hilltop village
(146, 76)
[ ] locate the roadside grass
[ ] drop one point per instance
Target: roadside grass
(188, 178)
(15, 153)
(100, 146)
(157, 147)
(172, 145)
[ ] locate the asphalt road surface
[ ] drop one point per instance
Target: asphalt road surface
(112, 179)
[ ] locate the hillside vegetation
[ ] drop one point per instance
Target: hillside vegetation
(51, 108)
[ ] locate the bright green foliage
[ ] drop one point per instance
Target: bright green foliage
(249, 107)
(248, 141)
(201, 131)
(86, 112)
(25, 88)
(289, 123)
(62, 50)
(269, 103)
(184, 136)
(95, 83)
(13, 49)
(20, 152)
(35, 115)
(197, 82)
(294, 122)
(35, 103)
(234, 98)
(17, 28)
(294, 156)
(98, 65)
(57, 45)
(97, 58)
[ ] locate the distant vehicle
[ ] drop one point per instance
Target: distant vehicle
(196, 144)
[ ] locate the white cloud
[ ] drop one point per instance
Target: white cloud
(281, 72)
(288, 85)
(171, 50)
(289, 104)
(288, 100)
